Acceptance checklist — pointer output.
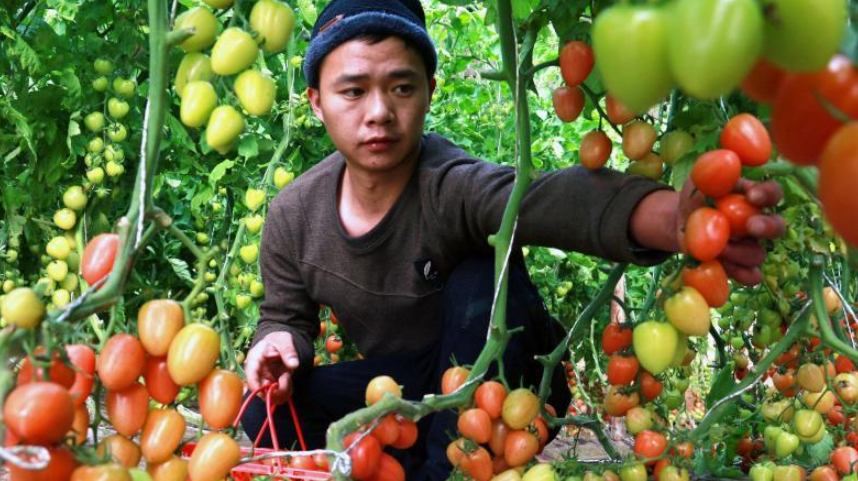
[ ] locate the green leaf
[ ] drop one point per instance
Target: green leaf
(308, 12)
(248, 147)
(180, 267)
(721, 385)
(681, 171)
(219, 171)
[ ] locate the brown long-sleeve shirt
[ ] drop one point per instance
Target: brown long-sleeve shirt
(385, 286)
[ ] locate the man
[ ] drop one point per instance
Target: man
(391, 232)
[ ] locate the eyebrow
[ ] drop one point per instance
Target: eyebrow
(405, 73)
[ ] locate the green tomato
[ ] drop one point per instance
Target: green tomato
(117, 132)
(274, 22)
(199, 99)
(688, 311)
(788, 473)
(672, 398)
(96, 145)
(253, 223)
(124, 87)
(257, 289)
(138, 474)
(194, 66)
(737, 342)
(99, 84)
(804, 34)
(117, 108)
(75, 198)
(674, 145)
(205, 26)
(57, 270)
(219, 4)
(636, 472)
(540, 472)
(96, 175)
(652, 343)
(202, 238)
(114, 169)
(255, 91)
(297, 60)
(58, 248)
(103, 66)
(224, 126)
(282, 177)
(23, 308)
(113, 153)
(761, 472)
(681, 383)
(8, 286)
(714, 44)
(65, 219)
(242, 301)
(71, 281)
(786, 444)
(94, 122)
(630, 42)
(234, 51)
(249, 253)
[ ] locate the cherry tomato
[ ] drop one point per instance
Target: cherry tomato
(490, 397)
(824, 473)
(762, 82)
(497, 441)
(785, 382)
(83, 358)
(126, 409)
(520, 408)
(199, 100)
(59, 468)
(745, 135)
(365, 455)
(618, 404)
(224, 126)
(162, 434)
(576, 62)
(158, 322)
(638, 139)
(193, 354)
(595, 149)
(477, 464)
(58, 372)
(710, 280)
(53, 405)
(98, 257)
(618, 113)
(234, 51)
(387, 431)
(174, 469)
(520, 447)
(388, 469)
(616, 338)
(839, 85)
(475, 424)
(622, 370)
(333, 343)
(453, 378)
(649, 444)
(194, 66)
(380, 385)
(568, 103)
(255, 91)
(716, 172)
(221, 394)
(214, 456)
(158, 381)
(120, 362)
(838, 165)
(407, 434)
(707, 232)
(205, 26)
(650, 386)
(738, 210)
(844, 459)
(688, 311)
(122, 450)
(80, 425)
(102, 472)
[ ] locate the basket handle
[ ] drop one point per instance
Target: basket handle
(269, 416)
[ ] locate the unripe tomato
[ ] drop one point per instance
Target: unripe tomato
(219, 4)
(103, 66)
(638, 419)
(193, 354)
(649, 166)
(618, 113)
(234, 51)
(638, 139)
(655, 345)
(617, 403)
(117, 132)
(638, 77)
(158, 322)
(576, 62)
(707, 232)
(595, 149)
(214, 456)
(113, 153)
(101, 472)
(806, 33)
(738, 211)
(274, 21)
(520, 408)
(380, 385)
(224, 126)
(710, 280)
(194, 66)
(96, 175)
(158, 381)
(65, 219)
(162, 434)
(23, 308)
(95, 145)
(94, 122)
(124, 87)
(199, 99)
(221, 393)
(249, 253)
(453, 378)
(716, 172)
(688, 311)
(74, 198)
(568, 103)
(255, 91)
(120, 362)
(713, 44)
(205, 26)
(57, 270)
(839, 164)
(117, 108)
(100, 84)
(674, 145)
(98, 257)
(283, 177)
(39, 412)
(122, 450)
(114, 169)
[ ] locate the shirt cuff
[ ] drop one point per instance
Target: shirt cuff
(615, 235)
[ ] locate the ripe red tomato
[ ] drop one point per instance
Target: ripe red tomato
(490, 397)
(306, 463)
(576, 62)
(120, 362)
(616, 338)
(568, 103)
(101, 472)
(650, 444)
(162, 434)
(388, 469)
(622, 370)
(477, 464)
(839, 85)
(520, 447)
(453, 378)
(127, 409)
(333, 343)
(595, 149)
(497, 441)
(80, 425)
(407, 434)
(785, 382)
(618, 113)
(83, 358)
(475, 424)
(707, 232)
(221, 393)
(844, 459)
(716, 172)
(98, 257)
(158, 322)
(762, 83)
(365, 455)
(843, 364)
(837, 167)
(618, 404)
(214, 456)
(745, 135)
(39, 412)
(387, 431)
(650, 386)
(738, 210)
(824, 473)
(710, 280)
(58, 372)
(59, 468)
(158, 381)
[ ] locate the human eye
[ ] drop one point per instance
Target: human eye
(352, 92)
(404, 89)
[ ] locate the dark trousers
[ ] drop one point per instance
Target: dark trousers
(327, 393)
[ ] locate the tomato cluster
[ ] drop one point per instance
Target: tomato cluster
(105, 153)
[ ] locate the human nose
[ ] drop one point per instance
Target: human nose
(379, 110)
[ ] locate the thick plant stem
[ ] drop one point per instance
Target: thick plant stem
(828, 336)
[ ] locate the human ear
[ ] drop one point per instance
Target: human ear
(315, 98)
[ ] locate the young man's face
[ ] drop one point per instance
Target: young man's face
(373, 99)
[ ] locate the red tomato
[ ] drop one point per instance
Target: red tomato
(618, 404)
(568, 103)
(127, 409)
(616, 338)
(785, 382)
(215, 455)
(122, 450)
(738, 210)
(716, 172)
(650, 386)
(39, 412)
(576, 62)
(387, 431)
(710, 280)
(622, 370)
(83, 358)
(407, 434)
(80, 425)
(158, 381)
(839, 85)
(745, 135)
(497, 441)
(649, 444)
(322, 462)
(838, 169)
(475, 424)
(306, 463)
(221, 394)
(333, 343)
(59, 468)
(707, 232)
(365, 456)
(844, 459)
(98, 257)
(762, 83)
(843, 364)
(618, 113)
(490, 397)
(824, 473)
(453, 378)
(389, 469)
(121, 362)
(520, 447)
(595, 149)
(58, 373)
(686, 449)
(477, 464)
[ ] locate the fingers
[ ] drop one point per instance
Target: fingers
(763, 194)
(288, 354)
(283, 390)
(766, 226)
(744, 253)
(749, 276)
(258, 369)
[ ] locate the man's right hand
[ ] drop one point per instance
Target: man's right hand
(272, 360)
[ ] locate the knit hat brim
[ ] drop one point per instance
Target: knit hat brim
(368, 23)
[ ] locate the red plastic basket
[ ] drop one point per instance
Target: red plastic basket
(275, 468)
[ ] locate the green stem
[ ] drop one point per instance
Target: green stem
(650, 295)
(595, 99)
(829, 338)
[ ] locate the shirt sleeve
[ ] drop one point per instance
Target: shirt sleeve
(287, 305)
(572, 209)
